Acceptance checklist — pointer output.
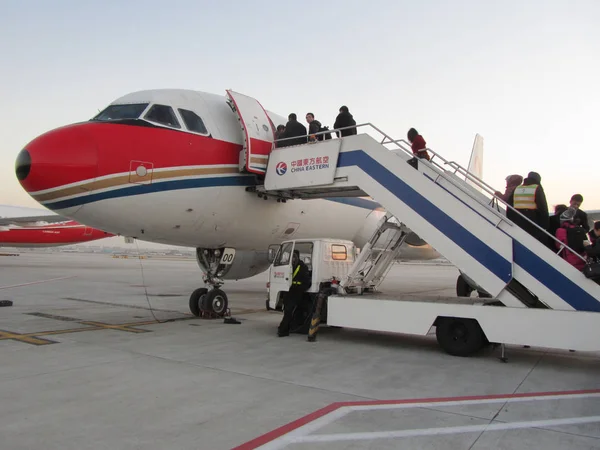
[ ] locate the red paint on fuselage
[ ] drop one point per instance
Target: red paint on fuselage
(163, 147)
(50, 235)
(62, 156)
(88, 150)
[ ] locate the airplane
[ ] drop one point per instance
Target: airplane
(31, 227)
(178, 167)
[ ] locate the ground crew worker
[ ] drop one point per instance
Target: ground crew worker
(530, 200)
(512, 182)
(300, 284)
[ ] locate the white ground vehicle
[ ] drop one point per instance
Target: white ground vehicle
(326, 259)
(536, 297)
(462, 325)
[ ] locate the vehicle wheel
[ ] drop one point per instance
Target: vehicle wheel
(458, 336)
(216, 301)
(463, 289)
(196, 300)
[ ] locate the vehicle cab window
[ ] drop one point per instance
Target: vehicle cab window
(284, 255)
(163, 115)
(192, 121)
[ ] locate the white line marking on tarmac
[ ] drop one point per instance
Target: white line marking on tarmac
(36, 282)
(470, 402)
(301, 434)
(446, 430)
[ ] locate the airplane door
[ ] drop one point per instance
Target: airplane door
(259, 132)
(280, 276)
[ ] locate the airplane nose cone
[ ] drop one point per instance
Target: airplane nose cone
(23, 165)
(60, 157)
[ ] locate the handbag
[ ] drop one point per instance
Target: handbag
(592, 270)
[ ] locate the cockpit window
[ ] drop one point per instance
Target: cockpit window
(192, 121)
(164, 115)
(122, 112)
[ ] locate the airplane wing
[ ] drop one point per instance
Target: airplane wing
(16, 215)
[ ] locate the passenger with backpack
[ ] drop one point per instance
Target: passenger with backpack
(574, 235)
(575, 202)
(593, 251)
(592, 269)
(344, 120)
(293, 129)
(314, 127)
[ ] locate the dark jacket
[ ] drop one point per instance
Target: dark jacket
(294, 129)
(554, 223)
(583, 218)
(279, 135)
(553, 226)
(593, 251)
(313, 128)
(345, 119)
(510, 213)
(301, 281)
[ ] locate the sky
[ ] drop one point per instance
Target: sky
(523, 74)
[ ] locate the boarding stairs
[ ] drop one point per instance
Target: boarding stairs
(376, 257)
(447, 206)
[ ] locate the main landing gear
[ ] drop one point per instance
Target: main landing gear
(213, 302)
(465, 289)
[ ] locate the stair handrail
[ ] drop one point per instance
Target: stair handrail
(434, 165)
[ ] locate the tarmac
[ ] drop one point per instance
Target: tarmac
(102, 353)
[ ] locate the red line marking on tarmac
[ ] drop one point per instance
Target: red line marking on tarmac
(285, 429)
(37, 282)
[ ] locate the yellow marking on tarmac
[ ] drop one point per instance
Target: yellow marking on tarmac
(34, 338)
(37, 282)
(130, 327)
(121, 327)
(28, 339)
(248, 311)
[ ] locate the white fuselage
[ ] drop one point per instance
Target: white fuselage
(200, 200)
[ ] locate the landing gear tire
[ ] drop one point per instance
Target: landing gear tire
(196, 300)
(216, 302)
(464, 289)
(458, 336)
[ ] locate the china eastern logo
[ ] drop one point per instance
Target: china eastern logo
(307, 164)
(281, 168)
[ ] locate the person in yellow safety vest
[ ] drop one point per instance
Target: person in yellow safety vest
(530, 200)
(301, 282)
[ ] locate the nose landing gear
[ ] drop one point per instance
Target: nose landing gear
(209, 304)
(213, 302)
